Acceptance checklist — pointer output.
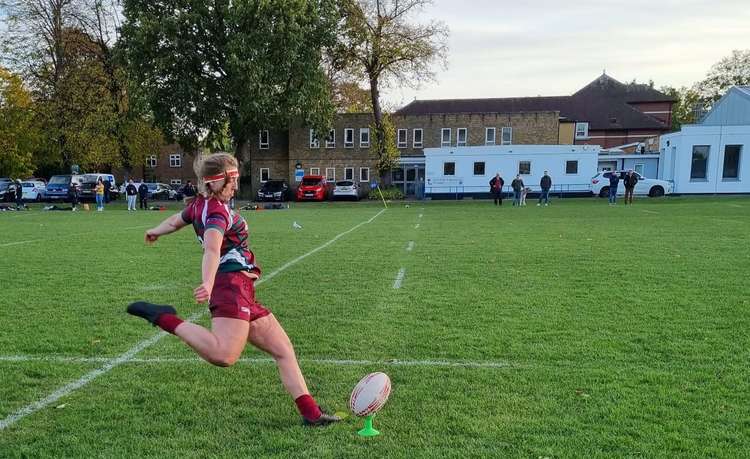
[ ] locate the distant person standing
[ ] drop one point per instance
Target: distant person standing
(496, 188)
(143, 196)
(518, 186)
(131, 192)
(107, 187)
(614, 181)
(19, 195)
(545, 184)
(631, 180)
(189, 191)
(73, 195)
(99, 195)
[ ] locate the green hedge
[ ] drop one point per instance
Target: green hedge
(390, 194)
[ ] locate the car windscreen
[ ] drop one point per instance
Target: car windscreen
(28, 185)
(151, 186)
(345, 183)
(273, 185)
(311, 182)
(59, 180)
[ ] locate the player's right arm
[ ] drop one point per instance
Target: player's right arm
(170, 225)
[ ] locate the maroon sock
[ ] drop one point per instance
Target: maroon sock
(307, 407)
(168, 322)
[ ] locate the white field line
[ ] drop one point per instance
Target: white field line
(417, 226)
(650, 211)
(410, 246)
(421, 215)
(735, 205)
(257, 360)
(399, 278)
(31, 241)
(130, 354)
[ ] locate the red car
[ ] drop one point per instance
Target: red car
(312, 188)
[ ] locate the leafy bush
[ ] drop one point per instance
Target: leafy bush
(390, 194)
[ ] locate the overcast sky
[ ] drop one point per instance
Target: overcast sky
(501, 48)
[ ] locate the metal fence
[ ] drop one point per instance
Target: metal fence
(458, 190)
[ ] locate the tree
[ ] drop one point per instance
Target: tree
(349, 97)
(246, 65)
(730, 71)
(384, 47)
(18, 136)
(389, 158)
(688, 106)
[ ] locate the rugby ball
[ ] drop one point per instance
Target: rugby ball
(370, 394)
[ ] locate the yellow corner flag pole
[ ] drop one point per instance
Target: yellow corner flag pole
(381, 196)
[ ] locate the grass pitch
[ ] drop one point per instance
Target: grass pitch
(577, 330)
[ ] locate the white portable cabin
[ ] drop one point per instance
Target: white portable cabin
(451, 171)
(711, 157)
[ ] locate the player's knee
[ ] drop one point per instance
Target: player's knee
(223, 359)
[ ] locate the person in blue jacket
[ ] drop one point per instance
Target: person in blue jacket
(614, 180)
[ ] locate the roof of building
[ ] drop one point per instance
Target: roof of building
(604, 104)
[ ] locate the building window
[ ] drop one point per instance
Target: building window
(175, 181)
(265, 173)
(348, 138)
(331, 139)
(699, 166)
(524, 167)
(364, 137)
(331, 174)
(571, 167)
(151, 161)
(314, 140)
(461, 137)
(582, 130)
(348, 173)
(489, 136)
(175, 160)
(401, 138)
(449, 168)
(417, 138)
(263, 140)
(445, 137)
(314, 171)
(507, 135)
(639, 169)
(479, 168)
(397, 175)
(732, 155)
(364, 174)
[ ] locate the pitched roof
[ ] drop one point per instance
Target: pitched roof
(604, 103)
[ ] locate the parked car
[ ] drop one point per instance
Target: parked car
(57, 187)
(645, 186)
(7, 189)
(175, 192)
(33, 190)
(346, 189)
(159, 191)
(312, 188)
(273, 190)
(88, 186)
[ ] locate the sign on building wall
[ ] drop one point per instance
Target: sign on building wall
(298, 174)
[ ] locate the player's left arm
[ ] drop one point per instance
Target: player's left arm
(212, 240)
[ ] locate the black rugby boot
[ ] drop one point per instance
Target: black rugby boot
(150, 311)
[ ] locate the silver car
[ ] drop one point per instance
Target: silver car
(346, 189)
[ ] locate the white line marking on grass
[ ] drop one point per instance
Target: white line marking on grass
(20, 242)
(735, 205)
(399, 278)
(256, 360)
(417, 226)
(650, 211)
(420, 215)
(410, 246)
(130, 354)
(31, 241)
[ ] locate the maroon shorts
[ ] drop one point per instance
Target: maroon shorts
(233, 296)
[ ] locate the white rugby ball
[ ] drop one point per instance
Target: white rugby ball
(370, 394)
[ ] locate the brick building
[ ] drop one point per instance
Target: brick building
(605, 112)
